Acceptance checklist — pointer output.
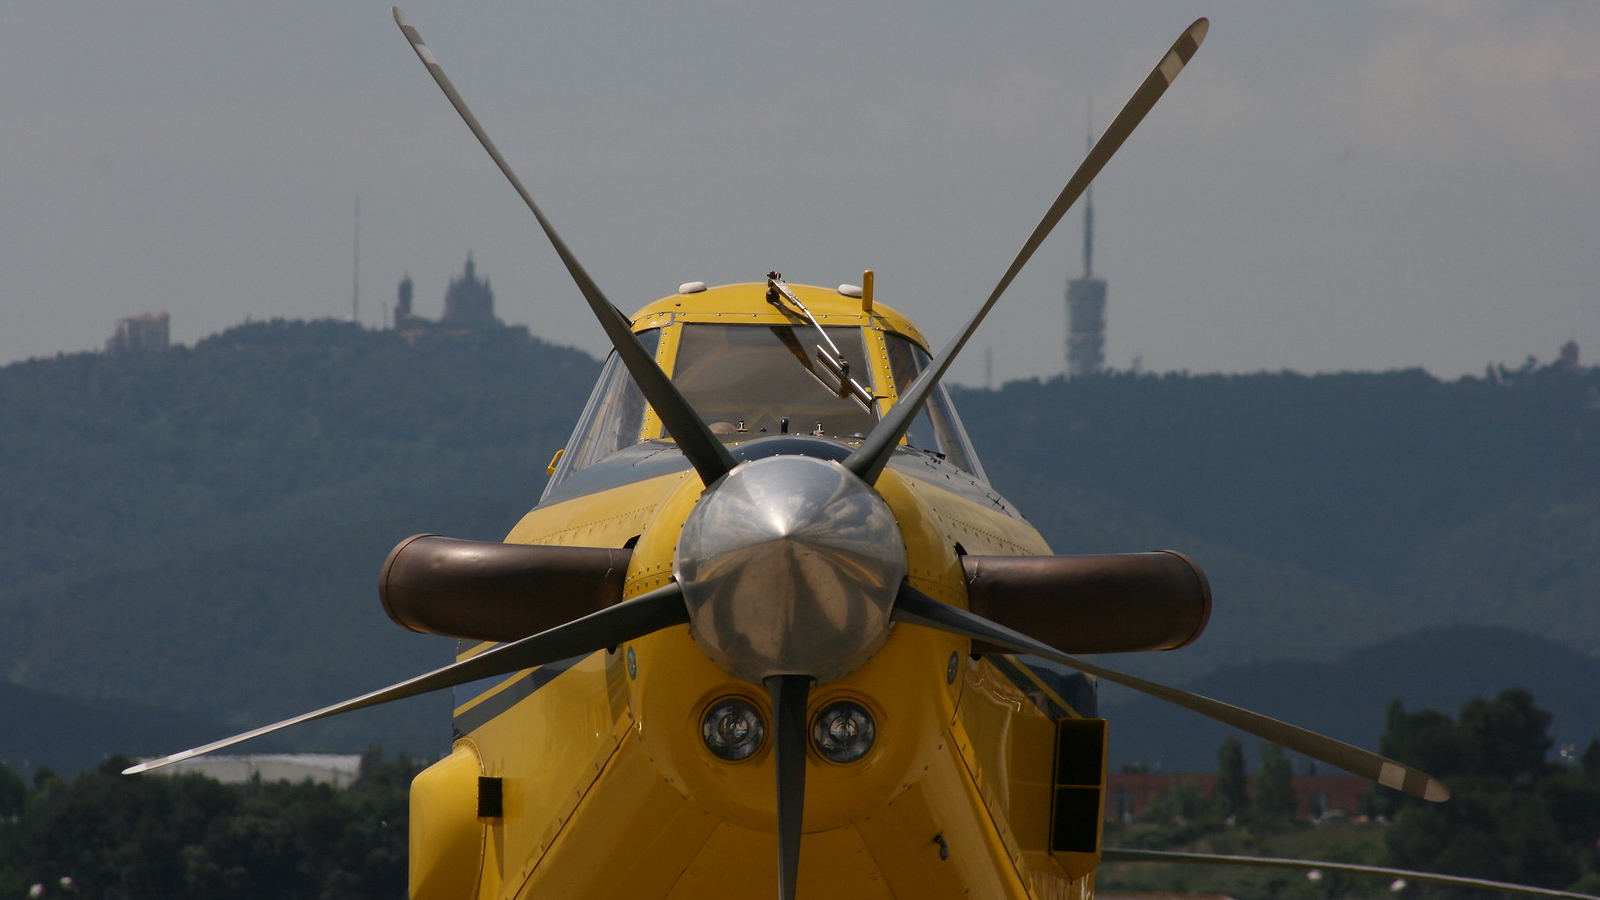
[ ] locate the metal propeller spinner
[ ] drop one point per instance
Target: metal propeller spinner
(789, 566)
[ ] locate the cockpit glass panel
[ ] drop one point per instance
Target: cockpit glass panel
(746, 381)
(611, 419)
(751, 379)
(936, 428)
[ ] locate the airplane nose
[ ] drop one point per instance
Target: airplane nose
(790, 566)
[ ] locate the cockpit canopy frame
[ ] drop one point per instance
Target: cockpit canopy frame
(748, 368)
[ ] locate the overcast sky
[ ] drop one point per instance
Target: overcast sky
(1369, 184)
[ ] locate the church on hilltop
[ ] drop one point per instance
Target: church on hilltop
(468, 305)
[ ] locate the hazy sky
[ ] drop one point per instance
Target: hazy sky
(1335, 185)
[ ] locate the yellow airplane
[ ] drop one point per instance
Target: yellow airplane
(770, 619)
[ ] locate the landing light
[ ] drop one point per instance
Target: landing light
(733, 729)
(844, 731)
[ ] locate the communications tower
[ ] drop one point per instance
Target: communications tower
(1086, 309)
(1086, 306)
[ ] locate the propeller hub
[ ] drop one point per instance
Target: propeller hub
(790, 566)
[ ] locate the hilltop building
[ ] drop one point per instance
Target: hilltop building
(468, 305)
(1086, 309)
(403, 317)
(1568, 361)
(140, 334)
(468, 301)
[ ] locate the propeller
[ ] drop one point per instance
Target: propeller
(869, 459)
(916, 608)
(707, 454)
(1111, 854)
(644, 614)
(789, 694)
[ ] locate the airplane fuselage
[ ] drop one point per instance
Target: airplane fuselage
(607, 784)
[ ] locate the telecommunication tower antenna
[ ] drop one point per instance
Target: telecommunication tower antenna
(1086, 298)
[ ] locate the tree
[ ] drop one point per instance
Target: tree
(189, 837)
(1573, 799)
(1232, 789)
(1427, 739)
(1274, 785)
(1508, 735)
(1511, 816)
(13, 790)
(1590, 760)
(1502, 834)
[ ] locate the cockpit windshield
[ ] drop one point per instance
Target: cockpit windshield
(612, 417)
(936, 428)
(752, 380)
(765, 379)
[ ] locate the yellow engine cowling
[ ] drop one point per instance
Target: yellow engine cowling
(447, 833)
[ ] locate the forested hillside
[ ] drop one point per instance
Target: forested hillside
(1346, 475)
(1330, 511)
(201, 529)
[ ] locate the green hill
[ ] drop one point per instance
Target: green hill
(1330, 511)
(1343, 475)
(201, 529)
(1533, 563)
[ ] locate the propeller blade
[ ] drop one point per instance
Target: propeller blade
(707, 454)
(789, 694)
(1112, 854)
(609, 627)
(869, 459)
(914, 607)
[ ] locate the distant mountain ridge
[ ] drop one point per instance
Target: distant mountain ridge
(201, 529)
